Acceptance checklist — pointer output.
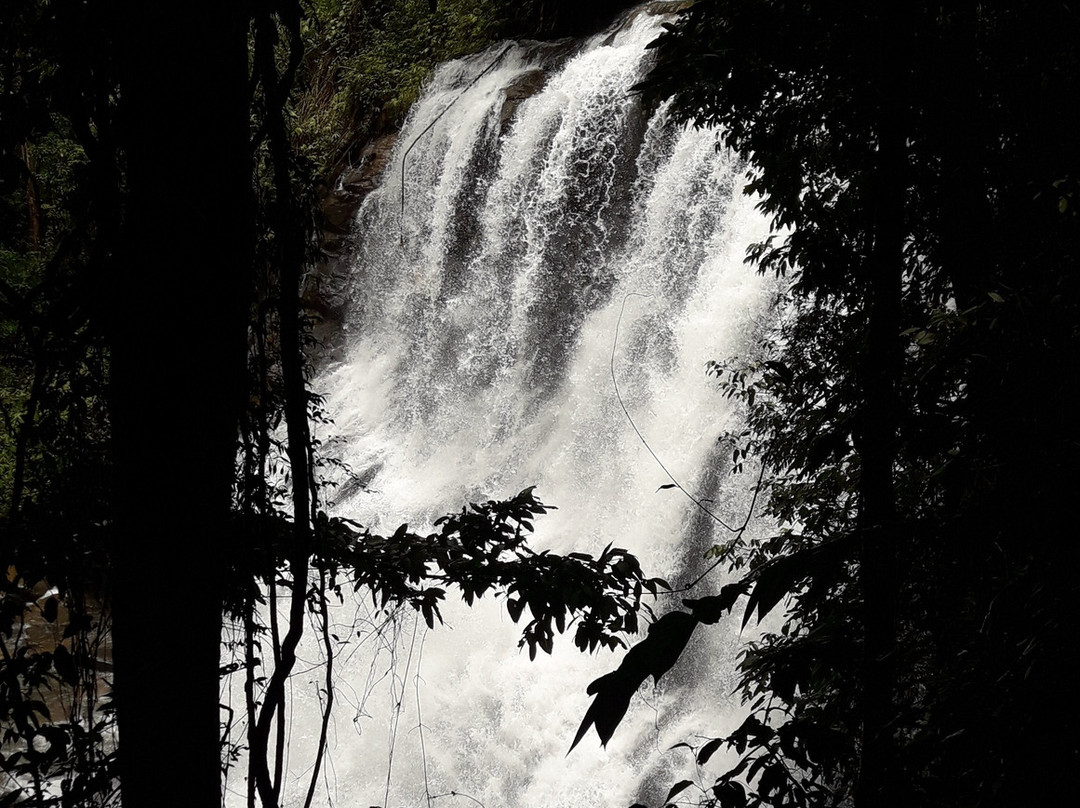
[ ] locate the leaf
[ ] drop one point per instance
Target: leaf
(780, 369)
(36, 707)
(768, 591)
(759, 763)
(740, 767)
(515, 608)
(708, 750)
(778, 577)
(665, 642)
(679, 787)
(730, 794)
(50, 609)
(654, 656)
(773, 778)
(65, 665)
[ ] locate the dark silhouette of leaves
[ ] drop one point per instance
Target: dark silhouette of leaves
(678, 788)
(708, 750)
(654, 656)
(709, 610)
(775, 579)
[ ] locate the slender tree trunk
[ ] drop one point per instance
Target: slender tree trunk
(177, 330)
(26, 429)
(33, 199)
(877, 445)
(284, 215)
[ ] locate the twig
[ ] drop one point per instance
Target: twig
(637, 431)
(457, 794)
(325, 723)
(420, 718)
(739, 532)
(757, 487)
(397, 713)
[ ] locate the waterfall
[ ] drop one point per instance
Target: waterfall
(544, 211)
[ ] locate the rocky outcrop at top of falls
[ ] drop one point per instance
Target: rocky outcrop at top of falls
(326, 290)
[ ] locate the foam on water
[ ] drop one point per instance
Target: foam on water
(479, 362)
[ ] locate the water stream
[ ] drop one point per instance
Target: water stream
(479, 361)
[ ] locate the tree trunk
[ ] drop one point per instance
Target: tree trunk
(878, 780)
(177, 328)
(33, 199)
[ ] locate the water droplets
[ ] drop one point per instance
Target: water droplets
(481, 360)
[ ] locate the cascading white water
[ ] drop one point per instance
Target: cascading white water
(479, 362)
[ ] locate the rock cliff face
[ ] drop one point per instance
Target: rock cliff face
(326, 288)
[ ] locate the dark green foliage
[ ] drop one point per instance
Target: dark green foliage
(915, 408)
(482, 549)
(364, 64)
(366, 61)
(58, 207)
(55, 206)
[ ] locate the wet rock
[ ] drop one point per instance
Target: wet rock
(524, 86)
(326, 289)
(362, 179)
(340, 205)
